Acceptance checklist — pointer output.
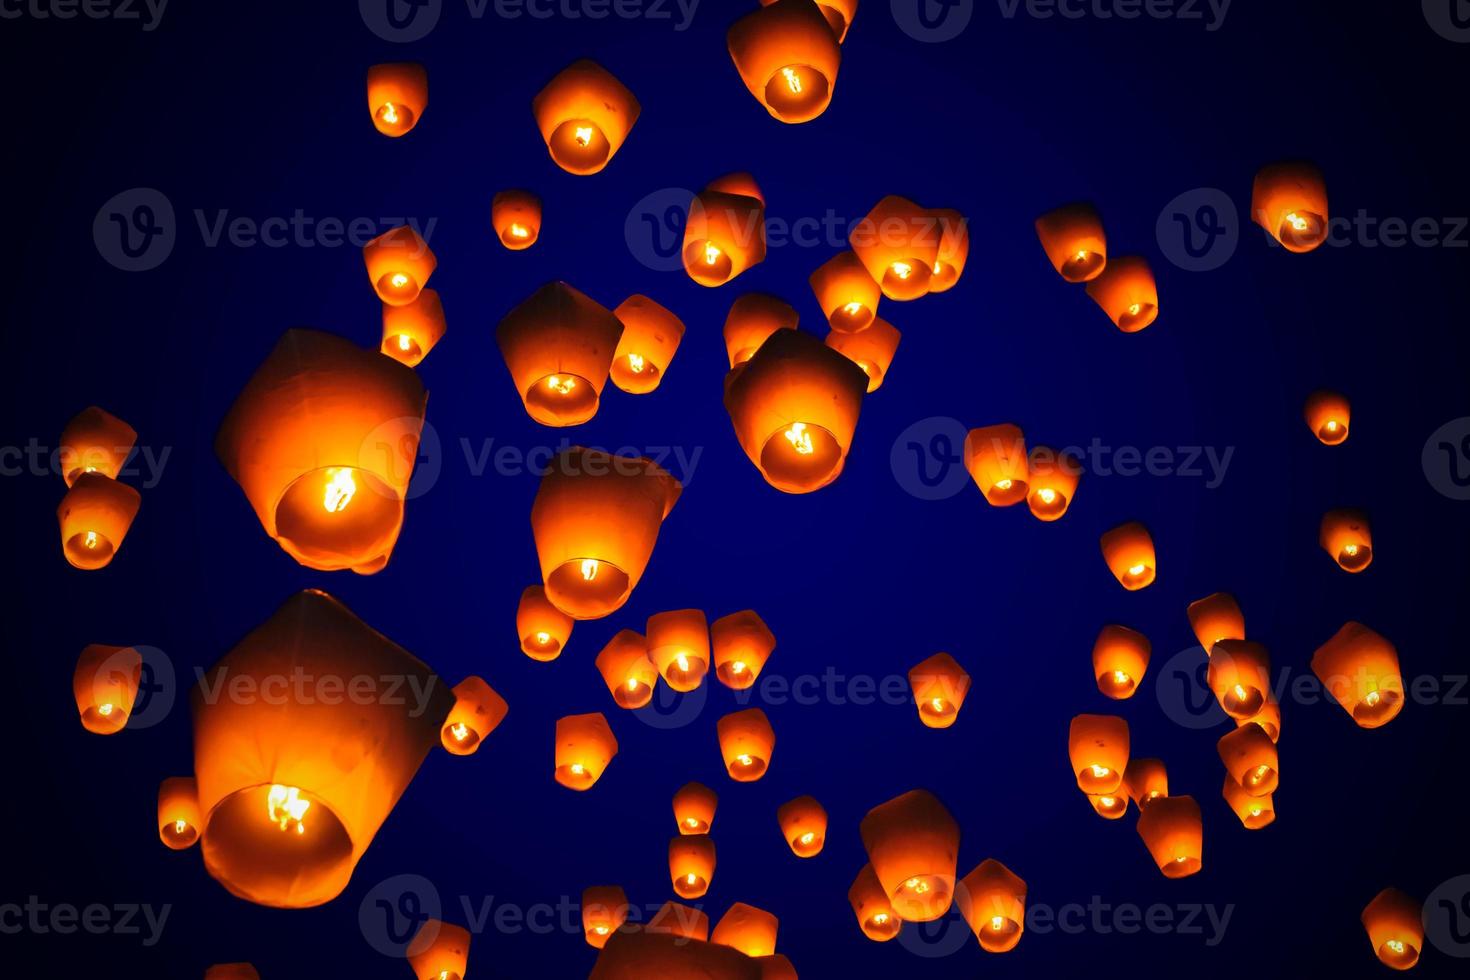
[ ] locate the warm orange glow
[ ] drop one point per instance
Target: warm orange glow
(898, 243)
(912, 843)
(584, 747)
(869, 901)
(604, 910)
(872, 349)
(178, 812)
(1052, 479)
(94, 517)
(104, 685)
(1216, 617)
(1119, 658)
(1239, 674)
(679, 646)
(803, 824)
(478, 710)
(787, 55)
(1173, 832)
(1129, 552)
(1347, 536)
(94, 441)
(1394, 922)
(1127, 293)
(1250, 759)
(439, 951)
(746, 742)
(399, 263)
(626, 670)
(397, 95)
(1360, 669)
(741, 644)
(1098, 747)
(1073, 239)
(752, 319)
(584, 115)
(1328, 414)
(750, 930)
(725, 233)
(651, 335)
(1289, 200)
(515, 214)
(543, 629)
(996, 459)
(691, 864)
(1145, 780)
(846, 293)
(286, 808)
(939, 685)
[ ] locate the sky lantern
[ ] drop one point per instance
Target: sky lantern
(397, 95)
(291, 791)
(1253, 811)
(1145, 780)
(1239, 674)
(95, 441)
(439, 951)
(105, 685)
(913, 845)
(872, 349)
(1216, 617)
(1360, 669)
(679, 921)
(839, 14)
(478, 710)
(748, 929)
(232, 971)
(543, 629)
(1098, 748)
(515, 214)
(725, 233)
(558, 345)
(875, 916)
(1289, 200)
(1110, 806)
(898, 243)
(1347, 536)
(1119, 658)
(993, 902)
(410, 331)
(595, 520)
(939, 684)
(795, 408)
(691, 864)
(94, 518)
(651, 335)
(846, 293)
(1250, 758)
(1174, 834)
(804, 825)
(399, 263)
(305, 441)
(742, 644)
(1395, 925)
(604, 910)
(1328, 414)
(1072, 237)
(1269, 718)
(746, 742)
(1127, 293)
(678, 645)
(752, 318)
(645, 954)
(584, 747)
(178, 813)
(626, 670)
(776, 966)
(584, 115)
(787, 55)
(996, 459)
(694, 808)
(1051, 481)
(954, 250)
(1129, 551)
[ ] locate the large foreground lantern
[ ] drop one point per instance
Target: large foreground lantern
(322, 440)
(742, 644)
(725, 233)
(439, 951)
(1051, 479)
(584, 115)
(1251, 760)
(678, 645)
(872, 349)
(681, 921)
(595, 519)
(1289, 200)
(752, 318)
(1395, 925)
(787, 55)
(651, 335)
(1072, 237)
(584, 747)
(804, 825)
(626, 670)
(1174, 834)
(995, 456)
(898, 243)
(1239, 675)
(694, 808)
(1128, 550)
(1127, 293)
(515, 214)
(94, 517)
(410, 331)
(1347, 536)
(1145, 780)
(1253, 810)
(1119, 658)
(746, 742)
(95, 441)
(478, 710)
(604, 910)
(294, 788)
(1328, 414)
(913, 845)
(1360, 669)
(795, 408)
(397, 95)
(648, 954)
(939, 685)
(691, 864)
(178, 813)
(993, 902)
(542, 628)
(1216, 617)
(846, 293)
(875, 915)
(748, 929)
(399, 263)
(1098, 747)
(558, 345)
(105, 685)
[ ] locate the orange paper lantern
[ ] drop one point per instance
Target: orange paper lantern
(1127, 293)
(1395, 925)
(993, 902)
(1171, 829)
(678, 645)
(178, 813)
(787, 55)
(846, 293)
(748, 929)
(558, 345)
(1072, 237)
(804, 825)
(694, 808)
(775, 967)
(679, 921)
(1119, 659)
(585, 115)
(515, 215)
(1145, 780)
(105, 685)
(1239, 675)
(94, 518)
(1269, 718)
(1129, 551)
(939, 684)
(746, 742)
(626, 670)
(397, 95)
(1360, 669)
(231, 971)
(651, 335)
(872, 349)
(870, 904)
(95, 441)
(1250, 759)
(691, 864)
(584, 747)
(1328, 415)
(1254, 811)
(543, 629)
(1216, 617)
(410, 331)
(742, 645)
(913, 845)
(439, 951)
(725, 233)
(1289, 200)
(1109, 806)
(1051, 479)
(996, 459)
(399, 263)
(1347, 536)
(644, 955)
(954, 250)
(839, 14)
(604, 910)
(1098, 748)
(478, 710)
(754, 317)
(898, 243)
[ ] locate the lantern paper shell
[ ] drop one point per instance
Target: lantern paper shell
(411, 331)
(748, 929)
(752, 318)
(585, 115)
(1395, 926)
(1250, 759)
(804, 825)
(939, 684)
(1216, 617)
(399, 263)
(515, 215)
(293, 789)
(232, 971)
(1254, 812)
(94, 518)
(742, 645)
(996, 459)
(439, 951)
(1269, 718)
(694, 808)
(478, 710)
(397, 95)
(1051, 480)
(178, 813)
(746, 742)
(954, 250)
(1347, 536)
(1127, 293)
(872, 349)
(898, 243)
(993, 902)
(1239, 675)
(787, 55)
(725, 233)
(1072, 237)
(1289, 200)
(626, 670)
(595, 519)
(839, 14)
(870, 904)
(584, 747)
(681, 921)
(1171, 829)
(776, 967)
(322, 440)
(604, 910)
(645, 954)
(558, 345)
(105, 685)
(795, 408)
(95, 441)
(678, 645)
(1145, 780)
(1129, 551)
(691, 864)
(543, 629)
(913, 845)
(1360, 669)
(846, 293)
(651, 335)
(1098, 747)
(1328, 415)
(1109, 806)
(1119, 659)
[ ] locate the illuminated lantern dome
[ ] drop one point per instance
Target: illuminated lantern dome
(1129, 551)
(95, 441)
(1239, 675)
(626, 670)
(399, 263)
(543, 629)
(1250, 759)
(94, 518)
(305, 440)
(913, 845)
(795, 408)
(870, 904)
(1145, 780)
(1073, 239)
(232, 971)
(1216, 617)
(559, 347)
(439, 951)
(898, 243)
(1119, 658)
(1395, 925)
(839, 14)
(293, 789)
(1269, 718)
(516, 217)
(787, 56)
(691, 864)
(1360, 669)
(725, 233)
(752, 318)
(595, 519)
(681, 921)
(694, 808)
(604, 910)
(397, 94)
(1098, 748)
(1348, 537)
(996, 459)
(478, 710)
(411, 331)
(748, 929)
(651, 335)
(742, 645)
(1171, 829)
(954, 250)
(804, 825)
(746, 742)
(1255, 811)
(1289, 200)
(105, 685)
(846, 293)
(584, 115)
(584, 747)
(939, 684)
(178, 813)
(678, 645)
(1328, 415)
(993, 902)
(646, 954)
(872, 349)
(1127, 293)
(1051, 479)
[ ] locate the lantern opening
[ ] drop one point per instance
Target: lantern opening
(579, 146)
(397, 287)
(89, 550)
(1355, 557)
(336, 512)
(561, 399)
(1110, 806)
(635, 372)
(394, 119)
(690, 886)
(1398, 953)
(906, 278)
(707, 263)
(1083, 265)
(1242, 701)
(460, 737)
(105, 719)
(882, 926)
(594, 587)
(797, 93)
(923, 898)
(801, 455)
(1136, 316)
(271, 838)
(746, 767)
(179, 834)
(1377, 707)
(1302, 230)
(1116, 684)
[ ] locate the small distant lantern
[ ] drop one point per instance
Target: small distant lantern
(94, 518)
(439, 951)
(1328, 414)
(1239, 675)
(1216, 617)
(1110, 806)
(1145, 780)
(1269, 718)
(410, 331)
(1129, 551)
(754, 317)
(746, 742)
(1072, 237)
(996, 459)
(558, 345)
(694, 808)
(804, 825)
(543, 629)
(232, 971)
(913, 845)
(795, 408)
(691, 864)
(399, 263)
(1347, 536)
(742, 645)
(1051, 479)
(478, 710)
(595, 519)
(105, 685)
(1174, 834)
(651, 335)
(1250, 758)
(584, 747)
(898, 243)
(1098, 748)
(626, 670)
(748, 929)
(954, 250)
(1127, 293)
(95, 441)
(993, 902)
(1254, 811)
(678, 645)
(725, 233)
(515, 215)
(397, 95)
(872, 349)
(604, 910)
(178, 813)
(875, 915)
(1395, 925)
(846, 293)
(1360, 669)
(1289, 200)
(584, 115)
(1119, 659)
(681, 921)
(787, 55)
(939, 684)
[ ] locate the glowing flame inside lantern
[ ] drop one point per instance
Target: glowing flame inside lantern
(405, 342)
(881, 918)
(560, 385)
(997, 922)
(1119, 677)
(682, 662)
(800, 439)
(390, 114)
(917, 886)
(738, 667)
(286, 807)
(460, 731)
(807, 838)
(744, 760)
(853, 309)
(1395, 945)
(90, 540)
(901, 269)
(519, 231)
(589, 569)
(1297, 222)
(1240, 693)
(1100, 772)
(1137, 569)
(1134, 309)
(578, 769)
(582, 135)
(105, 710)
(711, 254)
(399, 280)
(793, 80)
(180, 826)
(339, 490)
(635, 363)
(1047, 495)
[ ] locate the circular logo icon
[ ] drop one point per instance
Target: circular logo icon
(1199, 230)
(1447, 917)
(135, 230)
(928, 458)
(1450, 19)
(669, 709)
(654, 229)
(394, 909)
(400, 21)
(932, 21)
(1184, 693)
(405, 453)
(1446, 459)
(157, 689)
(942, 937)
